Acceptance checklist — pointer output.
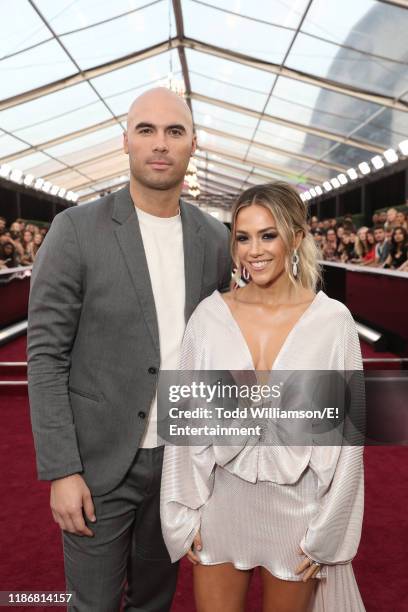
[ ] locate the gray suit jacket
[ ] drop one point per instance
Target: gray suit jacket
(93, 341)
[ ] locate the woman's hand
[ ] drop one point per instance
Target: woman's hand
(307, 566)
(196, 545)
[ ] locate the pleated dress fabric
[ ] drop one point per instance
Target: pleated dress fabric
(255, 505)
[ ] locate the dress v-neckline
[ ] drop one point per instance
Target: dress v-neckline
(285, 342)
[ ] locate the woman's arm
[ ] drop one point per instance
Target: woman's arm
(187, 478)
(334, 534)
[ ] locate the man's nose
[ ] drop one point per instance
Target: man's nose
(160, 144)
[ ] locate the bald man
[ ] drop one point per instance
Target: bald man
(112, 288)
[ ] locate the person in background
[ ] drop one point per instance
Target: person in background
(15, 231)
(339, 232)
(382, 246)
(35, 245)
(361, 246)
(399, 249)
(401, 219)
(8, 255)
(369, 257)
(3, 223)
(391, 221)
(26, 243)
(348, 223)
(382, 217)
(318, 239)
(346, 248)
(313, 223)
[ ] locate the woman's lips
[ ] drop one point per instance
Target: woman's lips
(260, 265)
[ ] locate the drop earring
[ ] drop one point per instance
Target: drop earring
(295, 263)
(245, 274)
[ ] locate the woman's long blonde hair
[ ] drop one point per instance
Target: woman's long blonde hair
(290, 215)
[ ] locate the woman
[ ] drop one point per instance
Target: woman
(361, 245)
(369, 257)
(399, 249)
(35, 245)
(295, 512)
(346, 248)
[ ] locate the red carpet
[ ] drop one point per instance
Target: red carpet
(30, 541)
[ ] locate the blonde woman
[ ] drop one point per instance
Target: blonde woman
(294, 512)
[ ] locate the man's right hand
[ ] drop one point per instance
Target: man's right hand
(69, 495)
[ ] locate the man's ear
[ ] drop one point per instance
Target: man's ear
(194, 145)
(125, 143)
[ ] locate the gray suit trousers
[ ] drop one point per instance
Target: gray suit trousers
(127, 547)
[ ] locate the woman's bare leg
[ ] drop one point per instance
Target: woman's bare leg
(285, 595)
(220, 588)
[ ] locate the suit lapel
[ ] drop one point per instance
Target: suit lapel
(194, 246)
(131, 244)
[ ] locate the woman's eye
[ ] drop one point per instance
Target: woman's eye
(241, 238)
(269, 236)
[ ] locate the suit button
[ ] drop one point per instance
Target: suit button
(141, 414)
(152, 370)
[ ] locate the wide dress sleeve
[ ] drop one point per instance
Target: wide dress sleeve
(188, 471)
(334, 534)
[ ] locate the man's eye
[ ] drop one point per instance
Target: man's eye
(175, 132)
(145, 131)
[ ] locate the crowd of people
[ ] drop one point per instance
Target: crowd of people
(19, 243)
(384, 244)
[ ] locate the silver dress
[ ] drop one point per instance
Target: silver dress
(256, 505)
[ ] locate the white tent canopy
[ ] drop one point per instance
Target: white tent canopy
(299, 90)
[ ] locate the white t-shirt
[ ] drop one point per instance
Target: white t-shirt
(163, 244)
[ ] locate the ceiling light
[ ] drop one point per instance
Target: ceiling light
(29, 179)
(335, 182)
(318, 190)
(47, 186)
(377, 162)
(364, 168)
(16, 175)
(54, 190)
(327, 186)
(308, 196)
(312, 192)
(403, 147)
(302, 196)
(62, 192)
(38, 183)
(391, 156)
(352, 174)
(5, 170)
(342, 179)
(69, 195)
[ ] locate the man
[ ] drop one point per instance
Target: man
(112, 288)
(382, 246)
